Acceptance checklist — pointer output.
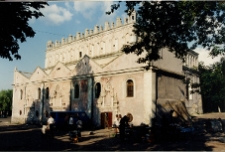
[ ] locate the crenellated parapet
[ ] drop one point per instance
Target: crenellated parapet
(191, 60)
(96, 30)
(96, 42)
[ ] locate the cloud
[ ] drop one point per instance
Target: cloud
(77, 21)
(86, 8)
(56, 15)
(106, 6)
(204, 56)
(91, 10)
(68, 6)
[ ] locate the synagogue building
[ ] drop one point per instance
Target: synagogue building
(88, 72)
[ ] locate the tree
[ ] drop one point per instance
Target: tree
(178, 25)
(6, 100)
(14, 26)
(212, 84)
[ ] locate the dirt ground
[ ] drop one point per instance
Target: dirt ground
(28, 138)
(212, 141)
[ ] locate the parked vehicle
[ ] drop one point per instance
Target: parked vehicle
(61, 122)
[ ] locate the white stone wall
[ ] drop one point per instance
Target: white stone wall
(107, 41)
(114, 90)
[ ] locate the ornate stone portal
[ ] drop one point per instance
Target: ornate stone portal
(109, 101)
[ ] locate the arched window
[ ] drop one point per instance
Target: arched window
(130, 88)
(76, 91)
(39, 93)
(47, 93)
(21, 94)
(97, 90)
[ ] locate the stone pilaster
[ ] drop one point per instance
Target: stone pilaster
(42, 102)
(149, 95)
(90, 97)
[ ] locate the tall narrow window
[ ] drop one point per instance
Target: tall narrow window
(130, 88)
(76, 91)
(39, 93)
(80, 54)
(47, 93)
(21, 94)
(97, 90)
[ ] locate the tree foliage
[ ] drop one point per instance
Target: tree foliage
(212, 84)
(6, 100)
(178, 25)
(14, 26)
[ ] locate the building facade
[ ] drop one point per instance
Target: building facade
(88, 72)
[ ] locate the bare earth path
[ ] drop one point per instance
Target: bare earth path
(28, 138)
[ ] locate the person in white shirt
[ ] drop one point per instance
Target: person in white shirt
(51, 123)
(71, 123)
(117, 123)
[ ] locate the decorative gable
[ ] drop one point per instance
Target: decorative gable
(20, 78)
(125, 61)
(38, 75)
(86, 66)
(60, 70)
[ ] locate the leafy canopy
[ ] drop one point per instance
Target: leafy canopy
(14, 26)
(178, 25)
(213, 84)
(6, 100)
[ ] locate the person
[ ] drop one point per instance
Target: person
(120, 116)
(116, 123)
(71, 123)
(122, 126)
(106, 120)
(51, 123)
(79, 126)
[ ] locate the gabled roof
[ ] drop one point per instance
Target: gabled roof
(59, 66)
(111, 61)
(86, 65)
(22, 73)
(124, 61)
(26, 74)
(34, 73)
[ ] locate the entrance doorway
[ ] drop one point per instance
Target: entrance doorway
(106, 119)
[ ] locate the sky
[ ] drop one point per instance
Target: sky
(60, 20)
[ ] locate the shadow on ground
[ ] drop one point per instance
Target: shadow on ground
(30, 139)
